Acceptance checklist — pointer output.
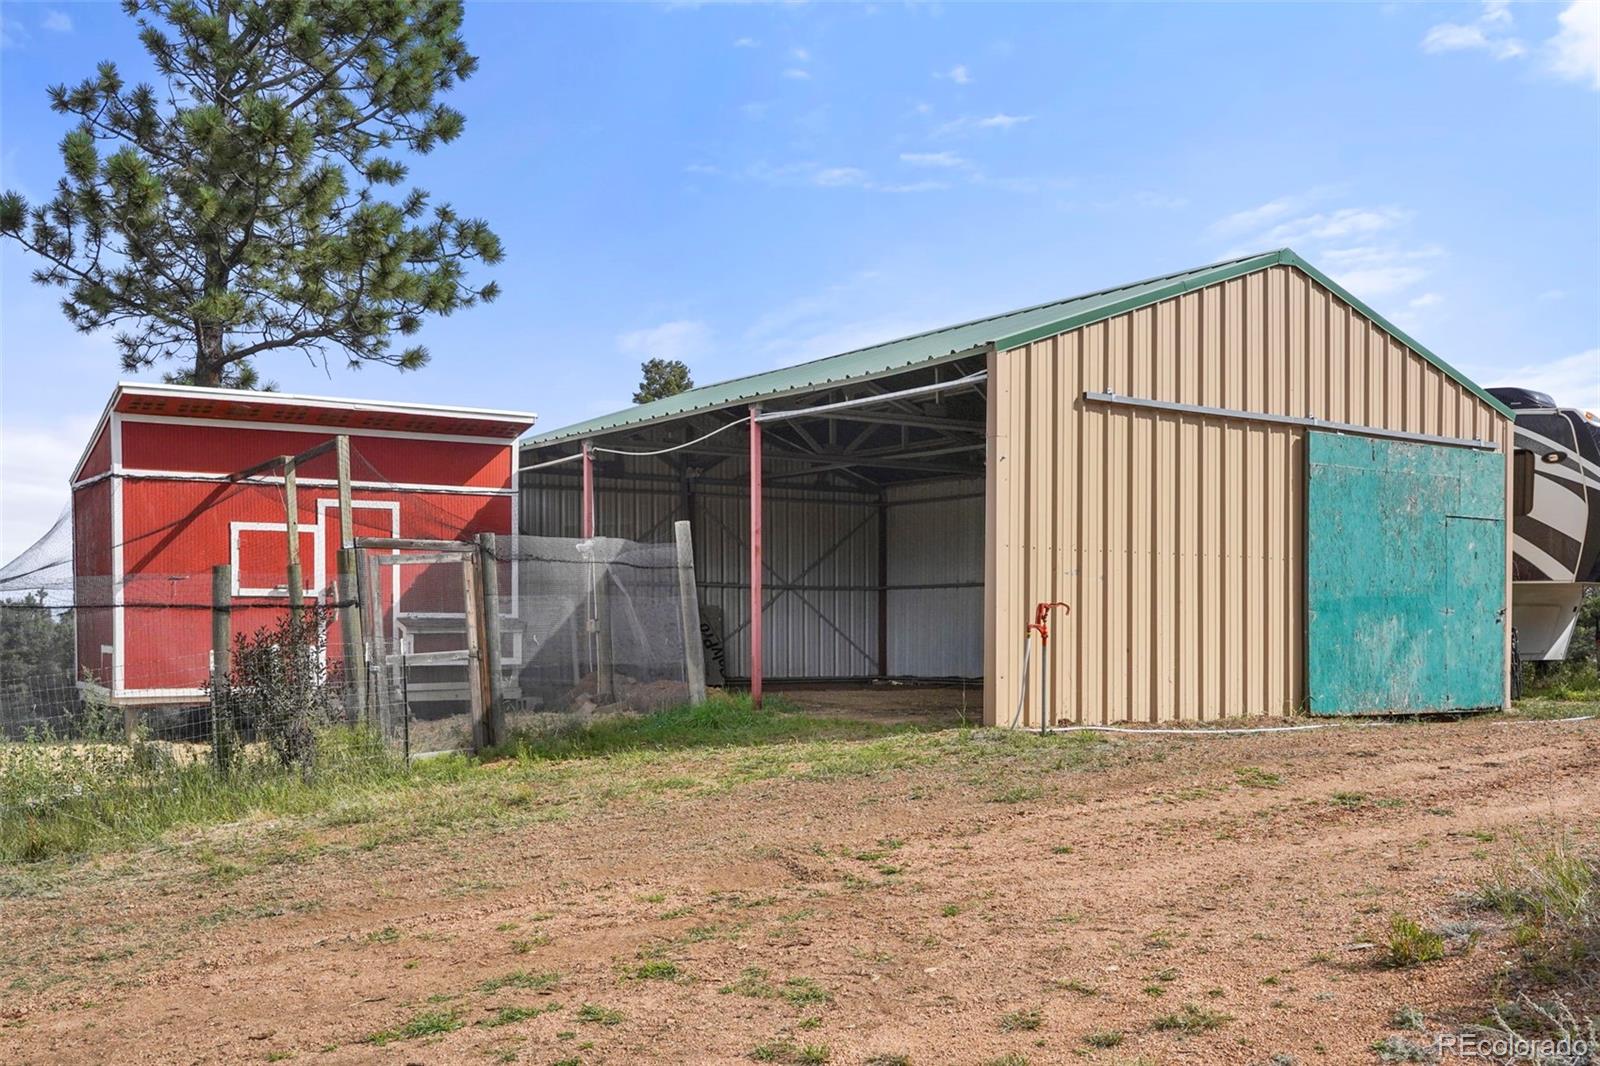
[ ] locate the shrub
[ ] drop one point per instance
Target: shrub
(1409, 944)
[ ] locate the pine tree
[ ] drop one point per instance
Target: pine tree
(235, 210)
(662, 377)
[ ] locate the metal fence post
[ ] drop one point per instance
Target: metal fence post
(694, 652)
(221, 660)
(490, 570)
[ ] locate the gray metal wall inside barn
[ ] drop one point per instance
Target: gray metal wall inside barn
(821, 549)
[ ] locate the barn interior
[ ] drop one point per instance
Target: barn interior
(871, 540)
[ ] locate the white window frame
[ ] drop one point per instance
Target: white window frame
(277, 591)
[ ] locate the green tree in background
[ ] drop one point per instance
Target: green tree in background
(34, 639)
(235, 210)
(662, 377)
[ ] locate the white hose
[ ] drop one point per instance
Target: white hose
(1278, 728)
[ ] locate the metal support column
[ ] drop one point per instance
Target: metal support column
(755, 556)
(586, 529)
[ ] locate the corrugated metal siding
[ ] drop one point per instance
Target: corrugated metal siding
(1178, 540)
(936, 632)
(821, 544)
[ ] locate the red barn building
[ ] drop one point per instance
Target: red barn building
(154, 509)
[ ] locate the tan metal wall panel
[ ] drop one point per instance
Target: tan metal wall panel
(1177, 539)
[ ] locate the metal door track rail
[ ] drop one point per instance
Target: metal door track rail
(1286, 420)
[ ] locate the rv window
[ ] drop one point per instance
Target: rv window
(1551, 427)
(1522, 476)
(1586, 437)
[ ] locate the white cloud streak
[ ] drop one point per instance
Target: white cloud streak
(1574, 380)
(56, 22)
(679, 339)
(1488, 33)
(932, 159)
(1574, 52)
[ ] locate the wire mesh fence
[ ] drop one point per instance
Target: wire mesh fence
(75, 764)
(593, 626)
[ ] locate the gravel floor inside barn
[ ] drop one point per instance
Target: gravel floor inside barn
(943, 896)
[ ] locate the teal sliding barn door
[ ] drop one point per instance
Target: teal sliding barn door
(1405, 576)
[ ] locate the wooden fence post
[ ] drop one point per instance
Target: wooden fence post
(221, 661)
(490, 572)
(473, 607)
(292, 535)
(350, 630)
(694, 652)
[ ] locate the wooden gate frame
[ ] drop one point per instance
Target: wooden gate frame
(482, 657)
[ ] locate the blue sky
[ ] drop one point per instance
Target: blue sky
(745, 186)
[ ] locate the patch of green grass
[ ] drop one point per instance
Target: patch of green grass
(1410, 944)
(1016, 794)
(724, 720)
(887, 1060)
(752, 982)
(428, 1023)
(801, 991)
(1348, 800)
(1082, 988)
(520, 979)
(1021, 1021)
(788, 1051)
(510, 1015)
(1191, 1019)
(598, 1015)
(1551, 889)
(82, 797)
(1104, 1038)
(950, 910)
(1256, 777)
(655, 970)
(1567, 682)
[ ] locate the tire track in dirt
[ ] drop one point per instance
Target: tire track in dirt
(1174, 866)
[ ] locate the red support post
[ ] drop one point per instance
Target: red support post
(587, 528)
(755, 557)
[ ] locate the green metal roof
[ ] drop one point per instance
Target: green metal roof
(1002, 331)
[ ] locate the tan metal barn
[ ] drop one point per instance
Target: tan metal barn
(1256, 495)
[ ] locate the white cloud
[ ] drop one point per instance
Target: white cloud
(1365, 249)
(670, 340)
(797, 74)
(1342, 224)
(1003, 121)
(932, 159)
(834, 177)
(1553, 294)
(958, 74)
(800, 55)
(1425, 301)
(1574, 52)
(13, 34)
(912, 186)
(35, 462)
(702, 168)
(1574, 381)
(57, 22)
(998, 121)
(755, 109)
(746, 42)
(1488, 33)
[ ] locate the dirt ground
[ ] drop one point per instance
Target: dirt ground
(1213, 900)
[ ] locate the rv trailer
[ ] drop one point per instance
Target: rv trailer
(1555, 523)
